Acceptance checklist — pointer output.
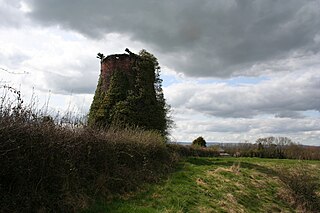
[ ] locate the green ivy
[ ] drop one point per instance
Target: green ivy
(133, 100)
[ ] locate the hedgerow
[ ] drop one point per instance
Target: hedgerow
(54, 168)
(58, 164)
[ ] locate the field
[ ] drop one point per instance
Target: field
(228, 185)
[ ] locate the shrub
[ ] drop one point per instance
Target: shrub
(192, 151)
(47, 167)
(62, 166)
(199, 142)
(303, 185)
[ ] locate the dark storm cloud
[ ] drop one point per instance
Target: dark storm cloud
(200, 38)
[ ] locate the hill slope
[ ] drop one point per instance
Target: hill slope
(226, 185)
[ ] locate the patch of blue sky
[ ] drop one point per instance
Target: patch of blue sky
(311, 113)
(66, 35)
(169, 80)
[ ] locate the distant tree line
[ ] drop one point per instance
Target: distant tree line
(273, 147)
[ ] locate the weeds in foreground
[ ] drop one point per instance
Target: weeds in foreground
(303, 185)
(55, 165)
(58, 164)
(61, 169)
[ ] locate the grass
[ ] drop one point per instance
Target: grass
(218, 185)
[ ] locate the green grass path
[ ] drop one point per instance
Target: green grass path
(214, 185)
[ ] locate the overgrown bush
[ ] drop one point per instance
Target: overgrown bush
(195, 151)
(47, 167)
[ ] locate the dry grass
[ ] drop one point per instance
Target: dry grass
(302, 187)
(201, 182)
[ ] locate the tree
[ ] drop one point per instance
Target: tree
(199, 142)
(273, 147)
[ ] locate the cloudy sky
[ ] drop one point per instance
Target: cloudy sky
(232, 70)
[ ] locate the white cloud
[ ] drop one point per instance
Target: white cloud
(12, 13)
(57, 60)
(304, 131)
(294, 92)
(281, 105)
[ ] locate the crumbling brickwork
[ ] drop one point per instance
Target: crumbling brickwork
(116, 63)
(129, 93)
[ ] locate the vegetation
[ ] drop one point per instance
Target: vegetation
(132, 100)
(199, 142)
(226, 185)
(50, 165)
(196, 151)
(274, 147)
(54, 166)
(303, 184)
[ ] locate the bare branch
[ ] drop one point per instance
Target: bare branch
(15, 73)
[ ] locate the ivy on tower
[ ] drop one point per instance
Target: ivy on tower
(129, 93)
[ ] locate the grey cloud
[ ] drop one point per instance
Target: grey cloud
(199, 38)
(254, 127)
(228, 127)
(283, 97)
(286, 126)
(11, 15)
(60, 84)
(13, 61)
(83, 80)
(289, 114)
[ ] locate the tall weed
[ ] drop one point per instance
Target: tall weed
(304, 186)
(50, 165)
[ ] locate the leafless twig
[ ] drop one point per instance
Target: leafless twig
(15, 73)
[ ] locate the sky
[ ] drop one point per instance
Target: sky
(233, 71)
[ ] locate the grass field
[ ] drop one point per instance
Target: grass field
(225, 185)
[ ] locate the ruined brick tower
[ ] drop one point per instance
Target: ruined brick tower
(116, 63)
(129, 93)
(119, 69)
